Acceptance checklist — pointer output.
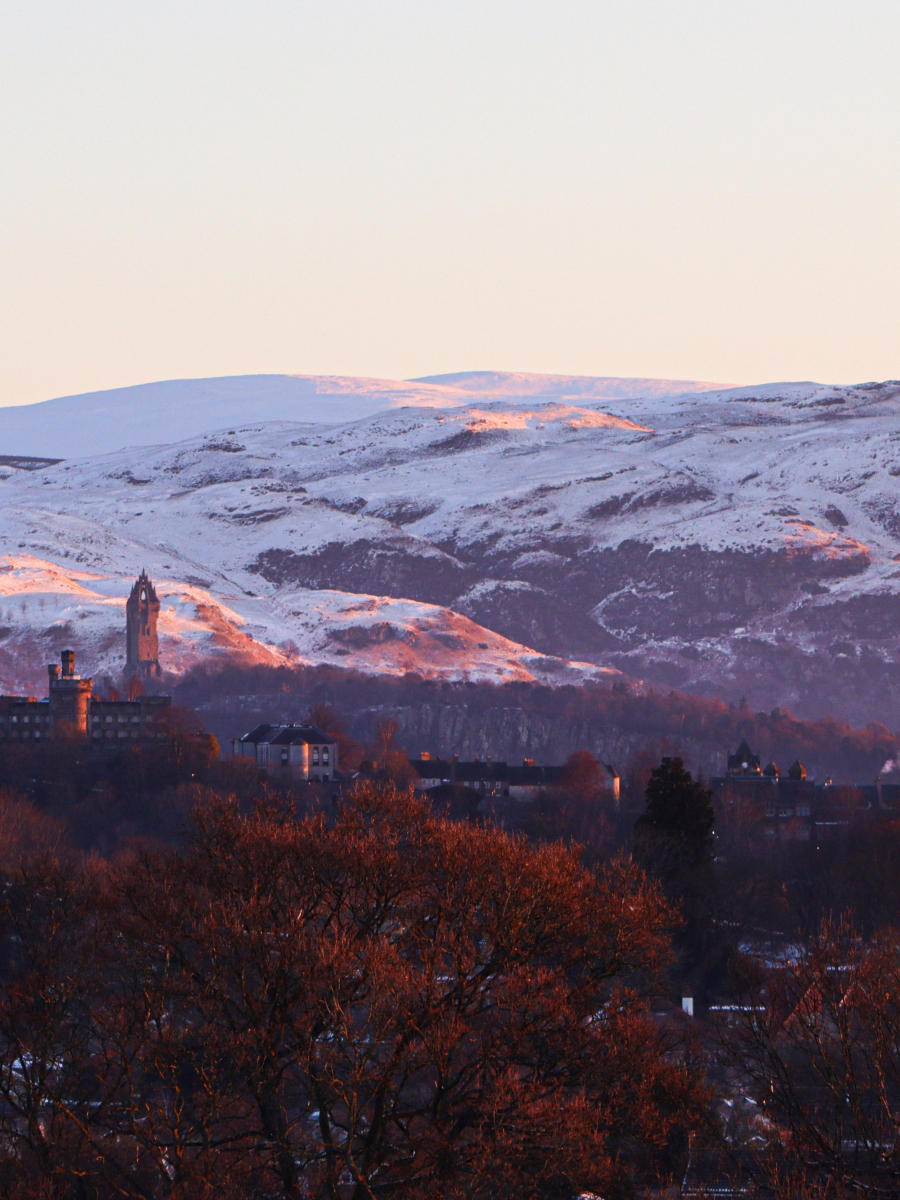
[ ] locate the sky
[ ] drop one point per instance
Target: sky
(688, 189)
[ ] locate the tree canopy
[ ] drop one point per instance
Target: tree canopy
(383, 1004)
(680, 810)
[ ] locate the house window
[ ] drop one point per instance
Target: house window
(324, 756)
(315, 756)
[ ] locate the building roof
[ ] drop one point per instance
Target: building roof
(432, 768)
(744, 760)
(487, 771)
(532, 776)
(479, 771)
(288, 735)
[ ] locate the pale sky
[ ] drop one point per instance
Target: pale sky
(701, 189)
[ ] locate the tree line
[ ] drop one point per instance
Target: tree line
(232, 698)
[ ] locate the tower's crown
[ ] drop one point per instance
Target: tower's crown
(143, 588)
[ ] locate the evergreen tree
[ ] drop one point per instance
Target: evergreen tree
(673, 843)
(679, 813)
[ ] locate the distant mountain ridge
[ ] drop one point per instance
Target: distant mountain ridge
(150, 414)
(524, 385)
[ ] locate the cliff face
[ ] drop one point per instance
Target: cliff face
(512, 734)
(513, 722)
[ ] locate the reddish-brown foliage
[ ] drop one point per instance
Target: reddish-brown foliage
(389, 1005)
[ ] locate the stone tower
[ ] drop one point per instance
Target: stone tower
(70, 699)
(142, 642)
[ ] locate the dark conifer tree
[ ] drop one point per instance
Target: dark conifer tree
(673, 842)
(679, 812)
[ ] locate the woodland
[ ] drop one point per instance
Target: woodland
(213, 986)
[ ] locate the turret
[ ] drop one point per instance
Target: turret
(70, 699)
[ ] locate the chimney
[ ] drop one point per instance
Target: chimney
(687, 1004)
(424, 756)
(68, 663)
(53, 672)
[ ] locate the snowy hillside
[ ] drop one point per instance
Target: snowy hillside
(153, 413)
(45, 608)
(733, 542)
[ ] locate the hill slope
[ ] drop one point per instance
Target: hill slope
(726, 542)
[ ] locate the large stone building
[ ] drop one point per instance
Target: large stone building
(296, 752)
(783, 806)
(71, 712)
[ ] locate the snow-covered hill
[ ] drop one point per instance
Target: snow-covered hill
(153, 413)
(45, 608)
(737, 541)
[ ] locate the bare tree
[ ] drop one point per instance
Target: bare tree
(821, 1054)
(394, 1005)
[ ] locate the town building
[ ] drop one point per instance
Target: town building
(497, 778)
(301, 753)
(781, 806)
(71, 712)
